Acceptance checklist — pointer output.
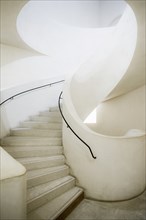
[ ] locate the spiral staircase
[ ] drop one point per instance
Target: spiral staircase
(57, 163)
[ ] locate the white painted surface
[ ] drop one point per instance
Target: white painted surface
(118, 173)
(13, 188)
(10, 168)
(10, 54)
(119, 115)
(13, 198)
(19, 66)
(63, 21)
(105, 72)
(136, 74)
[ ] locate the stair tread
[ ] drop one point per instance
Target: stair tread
(42, 122)
(21, 140)
(54, 208)
(34, 129)
(29, 138)
(33, 132)
(38, 159)
(40, 190)
(44, 171)
(42, 125)
(53, 109)
(48, 113)
(57, 117)
(30, 148)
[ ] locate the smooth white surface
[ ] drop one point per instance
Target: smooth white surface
(10, 54)
(118, 173)
(117, 116)
(9, 166)
(73, 13)
(19, 66)
(58, 18)
(136, 74)
(13, 198)
(13, 188)
(98, 76)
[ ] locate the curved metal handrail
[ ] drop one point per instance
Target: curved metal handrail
(29, 90)
(68, 126)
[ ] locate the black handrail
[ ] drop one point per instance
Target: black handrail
(68, 126)
(29, 90)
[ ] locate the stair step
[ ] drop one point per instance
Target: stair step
(41, 125)
(39, 195)
(40, 118)
(56, 208)
(40, 176)
(33, 141)
(33, 151)
(37, 144)
(35, 132)
(48, 113)
(54, 109)
(31, 163)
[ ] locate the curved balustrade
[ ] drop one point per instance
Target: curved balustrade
(68, 126)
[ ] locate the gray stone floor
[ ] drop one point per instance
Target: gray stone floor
(134, 209)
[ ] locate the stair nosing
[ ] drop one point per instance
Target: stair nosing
(52, 189)
(48, 172)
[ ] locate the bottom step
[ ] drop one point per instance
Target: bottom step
(59, 207)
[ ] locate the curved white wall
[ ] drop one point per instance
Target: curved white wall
(105, 72)
(116, 116)
(10, 54)
(82, 14)
(20, 66)
(13, 188)
(118, 173)
(136, 74)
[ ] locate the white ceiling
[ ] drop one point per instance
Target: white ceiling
(85, 14)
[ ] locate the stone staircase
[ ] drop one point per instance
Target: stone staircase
(37, 144)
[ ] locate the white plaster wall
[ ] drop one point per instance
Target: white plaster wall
(13, 198)
(97, 77)
(19, 66)
(110, 12)
(12, 188)
(11, 53)
(116, 116)
(136, 74)
(118, 173)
